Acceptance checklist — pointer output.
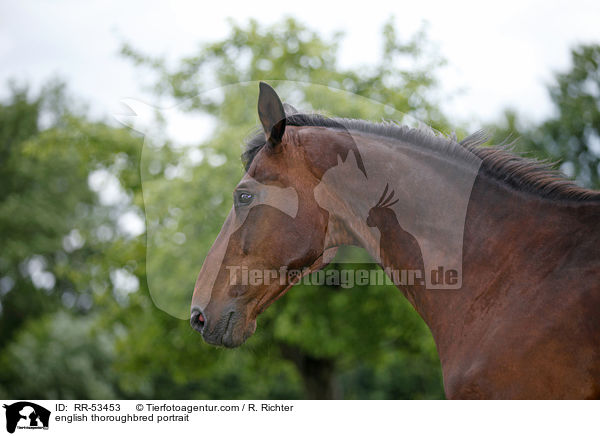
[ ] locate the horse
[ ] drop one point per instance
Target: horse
(518, 313)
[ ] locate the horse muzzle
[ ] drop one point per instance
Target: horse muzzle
(228, 329)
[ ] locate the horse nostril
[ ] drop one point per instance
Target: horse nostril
(197, 320)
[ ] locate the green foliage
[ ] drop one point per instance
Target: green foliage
(59, 356)
(59, 243)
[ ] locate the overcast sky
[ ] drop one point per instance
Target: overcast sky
(500, 55)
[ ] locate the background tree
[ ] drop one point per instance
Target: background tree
(62, 248)
(571, 136)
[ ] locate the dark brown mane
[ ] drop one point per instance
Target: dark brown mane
(499, 162)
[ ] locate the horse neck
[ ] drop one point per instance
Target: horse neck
(520, 251)
(503, 231)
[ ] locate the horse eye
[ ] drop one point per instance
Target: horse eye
(244, 198)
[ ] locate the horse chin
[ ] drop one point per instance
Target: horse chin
(238, 333)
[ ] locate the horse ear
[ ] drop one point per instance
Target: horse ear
(271, 114)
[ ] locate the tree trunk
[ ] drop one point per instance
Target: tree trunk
(317, 373)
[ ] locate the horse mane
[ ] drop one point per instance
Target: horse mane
(499, 161)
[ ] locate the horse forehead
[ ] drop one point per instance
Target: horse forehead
(263, 172)
(268, 167)
(298, 141)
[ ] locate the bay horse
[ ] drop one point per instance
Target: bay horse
(521, 318)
